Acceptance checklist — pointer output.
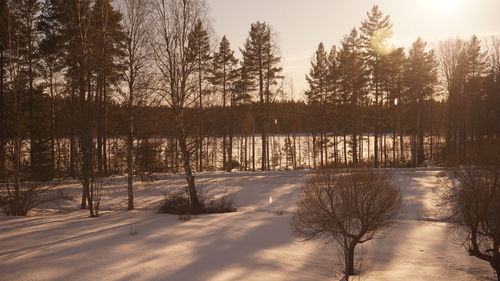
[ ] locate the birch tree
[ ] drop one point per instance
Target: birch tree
(173, 21)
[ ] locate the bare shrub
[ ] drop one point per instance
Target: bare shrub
(472, 201)
(346, 209)
(178, 203)
(175, 203)
(18, 201)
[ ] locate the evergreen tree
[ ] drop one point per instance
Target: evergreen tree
(25, 14)
(261, 60)
(199, 47)
(224, 75)
(333, 99)
(395, 83)
(317, 93)
(375, 31)
(332, 78)
(352, 82)
(107, 47)
(318, 77)
(4, 42)
(476, 72)
(421, 77)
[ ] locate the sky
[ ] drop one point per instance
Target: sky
(302, 24)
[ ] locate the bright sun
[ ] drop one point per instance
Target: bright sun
(444, 6)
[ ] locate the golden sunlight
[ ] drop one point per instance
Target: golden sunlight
(444, 6)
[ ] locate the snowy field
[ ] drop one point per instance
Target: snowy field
(254, 243)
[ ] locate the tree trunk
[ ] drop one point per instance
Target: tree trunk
(229, 164)
(349, 267)
(193, 195)
(130, 148)
(253, 151)
(2, 117)
(345, 150)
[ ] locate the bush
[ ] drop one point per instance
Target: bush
(233, 164)
(178, 203)
(17, 202)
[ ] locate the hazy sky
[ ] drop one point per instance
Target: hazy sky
(302, 24)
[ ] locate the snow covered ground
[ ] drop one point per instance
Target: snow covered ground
(254, 243)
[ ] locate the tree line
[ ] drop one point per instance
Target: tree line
(76, 75)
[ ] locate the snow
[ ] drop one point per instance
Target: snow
(254, 243)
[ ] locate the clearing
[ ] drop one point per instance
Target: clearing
(254, 243)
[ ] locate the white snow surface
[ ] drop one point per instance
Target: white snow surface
(254, 243)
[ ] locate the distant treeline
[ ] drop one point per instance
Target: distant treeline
(285, 116)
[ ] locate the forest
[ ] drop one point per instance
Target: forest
(90, 89)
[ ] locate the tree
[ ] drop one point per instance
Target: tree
(473, 201)
(135, 74)
(375, 31)
(26, 15)
(346, 209)
(318, 76)
(243, 86)
(106, 49)
(476, 63)
(75, 19)
(352, 83)
(317, 93)
(4, 42)
(50, 52)
(261, 60)
(333, 97)
(173, 22)
(453, 67)
(421, 77)
(199, 46)
(395, 84)
(224, 75)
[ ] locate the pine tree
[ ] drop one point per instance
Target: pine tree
(26, 15)
(317, 93)
(332, 97)
(4, 42)
(395, 84)
(476, 72)
(261, 60)
(375, 31)
(318, 77)
(243, 86)
(107, 47)
(453, 66)
(421, 77)
(224, 75)
(199, 47)
(352, 82)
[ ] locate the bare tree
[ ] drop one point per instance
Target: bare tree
(173, 22)
(472, 198)
(346, 209)
(136, 28)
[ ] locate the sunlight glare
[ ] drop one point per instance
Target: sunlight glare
(444, 6)
(382, 43)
